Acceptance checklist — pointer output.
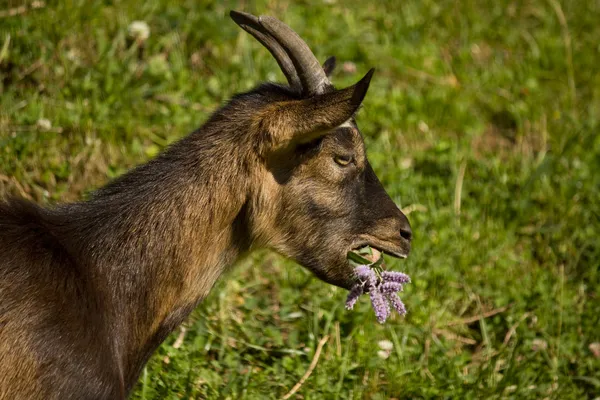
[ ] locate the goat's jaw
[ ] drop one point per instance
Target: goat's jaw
(381, 246)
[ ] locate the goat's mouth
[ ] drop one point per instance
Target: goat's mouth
(380, 247)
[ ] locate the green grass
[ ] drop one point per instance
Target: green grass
(482, 119)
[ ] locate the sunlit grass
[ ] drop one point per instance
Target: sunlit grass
(482, 122)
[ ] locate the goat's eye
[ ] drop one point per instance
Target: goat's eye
(343, 160)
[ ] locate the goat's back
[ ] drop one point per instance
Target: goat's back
(53, 342)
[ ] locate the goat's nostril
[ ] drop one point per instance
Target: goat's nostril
(406, 234)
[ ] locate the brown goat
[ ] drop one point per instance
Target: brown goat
(89, 290)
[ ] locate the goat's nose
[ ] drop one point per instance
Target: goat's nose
(405, 230)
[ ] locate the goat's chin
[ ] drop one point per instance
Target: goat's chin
(340, 276)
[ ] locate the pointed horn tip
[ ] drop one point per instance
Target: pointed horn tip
(240, 17)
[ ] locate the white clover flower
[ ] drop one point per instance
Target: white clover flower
(44, 124)
(385, 345)
(349, 67)
(139, 30)
(595, 349)
(539, 344)
(383, 354)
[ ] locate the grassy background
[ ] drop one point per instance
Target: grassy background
(482, 122)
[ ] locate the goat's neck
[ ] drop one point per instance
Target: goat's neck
(158, 238)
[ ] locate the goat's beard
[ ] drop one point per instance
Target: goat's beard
(325, 257)
(334, 270)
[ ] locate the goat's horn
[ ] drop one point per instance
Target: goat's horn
(308, 68)
(250, 24)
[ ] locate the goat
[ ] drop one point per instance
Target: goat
(89, 290)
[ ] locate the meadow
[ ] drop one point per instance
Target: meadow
(482, 123)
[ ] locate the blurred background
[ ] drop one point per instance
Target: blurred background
(482, 123)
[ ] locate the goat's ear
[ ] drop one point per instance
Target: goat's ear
(329, 66)
(301, 121)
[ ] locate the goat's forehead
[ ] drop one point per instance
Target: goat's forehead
(347, 136)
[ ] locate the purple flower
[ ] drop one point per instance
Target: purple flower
(397, 303)
(354, 294)
(383, 290)
(365, 273)
(380, 306)
(390, 287)
(393, 276)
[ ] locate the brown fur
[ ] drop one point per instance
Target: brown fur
(89, 290)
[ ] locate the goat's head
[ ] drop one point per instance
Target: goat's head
(319, 197)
